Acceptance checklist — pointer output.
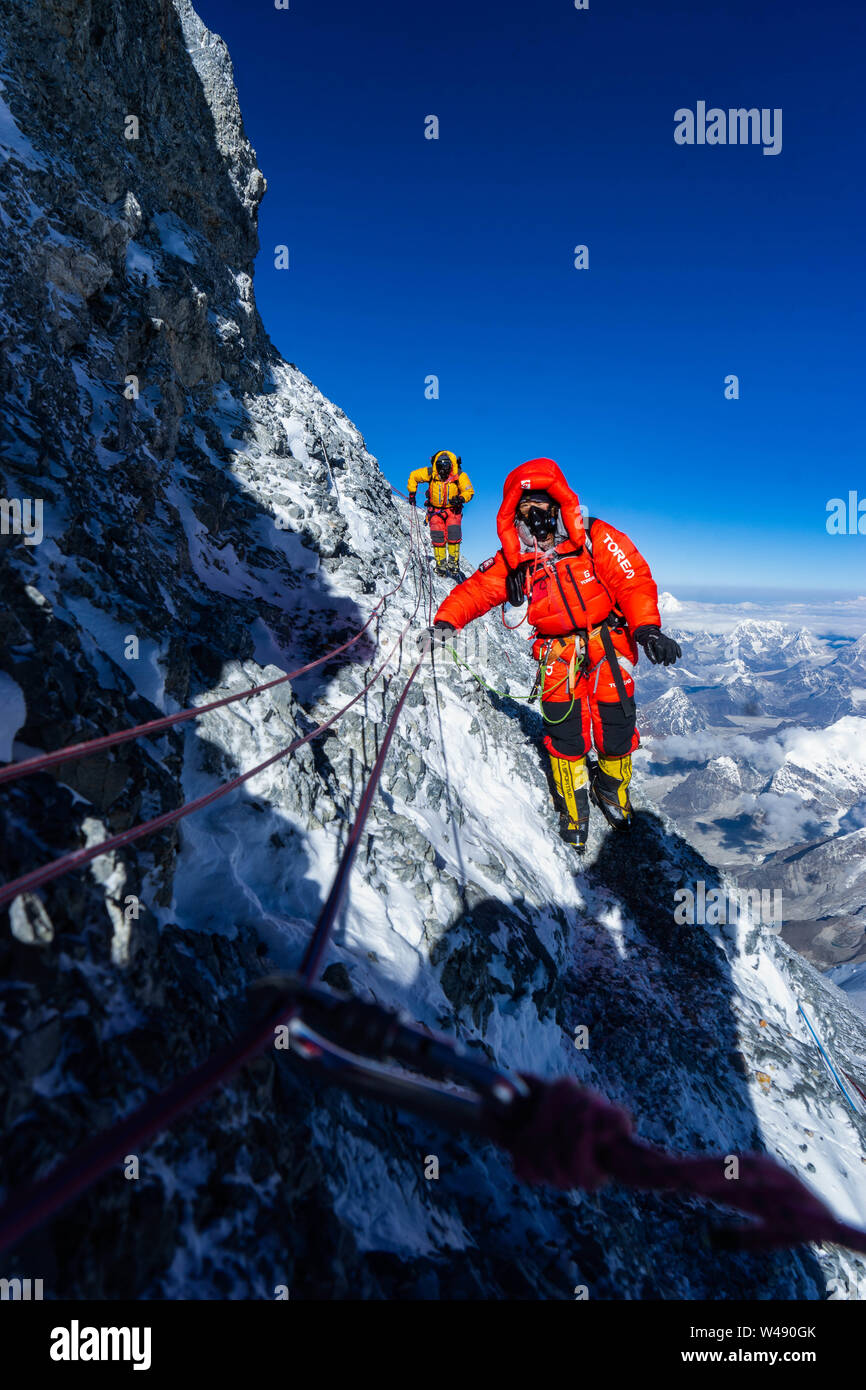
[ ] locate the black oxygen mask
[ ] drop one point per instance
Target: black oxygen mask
(541, 521)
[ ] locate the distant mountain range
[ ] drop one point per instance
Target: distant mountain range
(758, 743)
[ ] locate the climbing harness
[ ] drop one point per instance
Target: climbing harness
(576, 669)
(504, 694)
(613, 622)
(558, 1132)
(613, 662)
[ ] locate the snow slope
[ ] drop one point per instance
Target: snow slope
(203, 519)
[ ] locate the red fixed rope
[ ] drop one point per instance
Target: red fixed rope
(32, 1205)
(857, 1088)
(36, 1203)
(321, 936)
(78, 858)
(575, 1138)
(156, 726)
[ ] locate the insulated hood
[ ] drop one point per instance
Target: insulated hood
(536, 475)
(445, 454)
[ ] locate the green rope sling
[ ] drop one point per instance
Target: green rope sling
(504, 695)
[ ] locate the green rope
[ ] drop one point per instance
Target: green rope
(504, 695)
(564, 717)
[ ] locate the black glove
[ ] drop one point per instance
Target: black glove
(457, 505)
(434, 638)
(661, 650)
(514, 587)
(412, 499)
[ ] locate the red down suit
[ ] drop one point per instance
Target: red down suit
(586, 597)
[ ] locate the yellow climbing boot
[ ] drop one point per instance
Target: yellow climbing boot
(439, 556)
(609, 788)
(571, 780)
(454, 557)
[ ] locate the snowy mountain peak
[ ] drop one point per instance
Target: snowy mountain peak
(668, 604)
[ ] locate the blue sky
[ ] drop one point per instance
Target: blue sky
(454, 257)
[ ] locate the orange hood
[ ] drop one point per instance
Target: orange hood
(538, 475)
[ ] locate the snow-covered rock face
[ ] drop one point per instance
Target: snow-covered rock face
(230, 520)
(851, 979)
(672, 713)
(823, 884)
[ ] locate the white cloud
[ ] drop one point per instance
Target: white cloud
(784, 819)
(839, 747)
(842, 617)
(704, 744)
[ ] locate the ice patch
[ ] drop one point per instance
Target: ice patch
(140, 262)
(296, 434)
(14, 141)
(173, 237)
(110, 637)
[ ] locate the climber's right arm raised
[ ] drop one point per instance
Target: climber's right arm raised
(483, 590)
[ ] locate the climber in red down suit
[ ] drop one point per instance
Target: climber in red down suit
(592, 600)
